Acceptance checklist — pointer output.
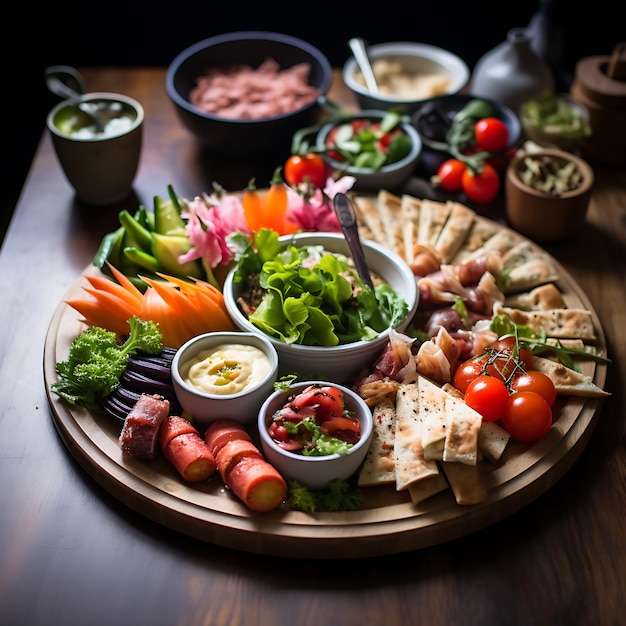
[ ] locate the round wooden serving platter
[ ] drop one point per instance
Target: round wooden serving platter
(388, 523)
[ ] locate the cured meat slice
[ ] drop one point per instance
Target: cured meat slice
(140, 433)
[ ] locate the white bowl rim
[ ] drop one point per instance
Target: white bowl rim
(221, 337)
(296, 42)
(407, 127)
(458, 68)
(295, 388)
(333, 236)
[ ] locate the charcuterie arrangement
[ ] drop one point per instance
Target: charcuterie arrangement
(491, 305)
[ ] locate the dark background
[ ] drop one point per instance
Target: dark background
(149, 34)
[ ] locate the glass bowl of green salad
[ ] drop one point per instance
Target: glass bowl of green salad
(303, 293)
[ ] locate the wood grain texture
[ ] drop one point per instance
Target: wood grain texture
(73, 551)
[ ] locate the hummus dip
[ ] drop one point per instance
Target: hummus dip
(228, 369)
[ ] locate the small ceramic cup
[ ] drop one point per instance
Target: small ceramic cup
(101, 165)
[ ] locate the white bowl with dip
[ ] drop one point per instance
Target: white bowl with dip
(101, 165)
(224, 375)
(407, 73)
(315, 471)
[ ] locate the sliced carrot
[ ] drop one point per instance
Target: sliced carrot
(191, 457)
(258, 484)
(115, 305)
(222, 431)
(95, 315)
(232, 452)
(125, 282)
(106, 285)
(173, 426)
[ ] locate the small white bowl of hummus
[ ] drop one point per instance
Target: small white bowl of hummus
(407, 74)
(224, 375)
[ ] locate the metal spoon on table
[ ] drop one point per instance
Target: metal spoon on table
(67, 83)
(359, 50)
(347, 220)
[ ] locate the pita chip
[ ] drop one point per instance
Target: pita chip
(538, 299)
(379, 465)
(389, 208)
(568, 382)
(462, 430)
(433, 216)
(411, 466)
(368, 219)
(557, 323)
(492, 441)
(467, 482)
(432, 408)
(454, 231)
(427, 487)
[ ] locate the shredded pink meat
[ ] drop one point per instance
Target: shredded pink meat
(243, 93)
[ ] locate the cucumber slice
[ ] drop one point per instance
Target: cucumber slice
(167, 249)
(167, 218)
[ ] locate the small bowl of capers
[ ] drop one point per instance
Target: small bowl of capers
(547, 193)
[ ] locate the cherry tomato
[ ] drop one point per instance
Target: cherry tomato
(491, 134)
(537, 382)
(528, 417)
(308, 168)
(467, 372)
(481, 187)
(450, 173)
(489, 396)
(507, 345)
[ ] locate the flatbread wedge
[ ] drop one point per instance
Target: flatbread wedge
(389, 208)
(568, 382)
(454, 231)
(557, 323)
(379, 465)
(433, 216)
(463, 428)
(538, 299)
(368, 219)
(467, 482)
(411, 466)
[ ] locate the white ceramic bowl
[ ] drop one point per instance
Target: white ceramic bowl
(339, 363)
(205, 407)
(391, 177)
(315, 471)
(415, 58)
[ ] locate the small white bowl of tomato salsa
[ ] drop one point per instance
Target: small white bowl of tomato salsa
(315, 432)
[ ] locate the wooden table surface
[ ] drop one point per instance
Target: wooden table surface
(72, 554)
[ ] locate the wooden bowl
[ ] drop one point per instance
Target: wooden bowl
(544, 216)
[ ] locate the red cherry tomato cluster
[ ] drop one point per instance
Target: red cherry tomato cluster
(500, 385)
(479, 180)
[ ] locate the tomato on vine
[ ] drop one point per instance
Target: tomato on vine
(536, 382)
(450, 174)
(481, 186)
(489, 396)
(309, 167)
(528, 417)
(491, 134)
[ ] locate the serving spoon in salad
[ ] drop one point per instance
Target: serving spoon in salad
(344, 209)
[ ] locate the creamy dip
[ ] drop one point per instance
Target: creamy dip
(395, 80)
(228, 369)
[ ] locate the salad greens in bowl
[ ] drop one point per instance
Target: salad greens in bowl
(303, 293)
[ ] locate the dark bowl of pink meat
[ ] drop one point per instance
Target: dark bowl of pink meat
(248, 92)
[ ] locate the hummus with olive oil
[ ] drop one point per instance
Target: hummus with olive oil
(228, 369)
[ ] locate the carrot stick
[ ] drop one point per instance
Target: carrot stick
(95, 315)
(222, 431)
(232, 452)
(125, 282)
(257, 484)
(191, 457)
(173, 426)
(106, 285)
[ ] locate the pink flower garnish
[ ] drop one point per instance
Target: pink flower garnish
(315, 212)
(210, 220)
